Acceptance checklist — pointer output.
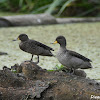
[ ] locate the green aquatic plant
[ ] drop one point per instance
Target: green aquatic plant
(57, 68)
(62, 8)
(14, 71)
(66, 4)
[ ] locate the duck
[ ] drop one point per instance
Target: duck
(71, 59)
(34, 47)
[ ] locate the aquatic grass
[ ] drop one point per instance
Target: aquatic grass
(55, 7)
(40, 9)
(14, 71)
(54, 4)
(66, 4)
(50, 70)
(88, 11)
(57, 68)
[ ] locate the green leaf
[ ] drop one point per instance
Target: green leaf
(40, 9)
(53, 6)
(88, 11)
(1, 1)
(64, 6)
(21, 3)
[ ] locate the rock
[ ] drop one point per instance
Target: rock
(3, 53)
(4, 23)
(76, 20)
(76, 72)
(80, 73)
(39, 88)
(7, 78)
(40, 19)
(30, 70)
(26, 20)
(41, 84)
(17, 68)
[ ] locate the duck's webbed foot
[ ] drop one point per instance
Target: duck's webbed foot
(71, 71)
(32, 60)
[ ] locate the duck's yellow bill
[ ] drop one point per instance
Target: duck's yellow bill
(18, 38)
(55, 42)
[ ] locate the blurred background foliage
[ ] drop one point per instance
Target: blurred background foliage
(62, 8)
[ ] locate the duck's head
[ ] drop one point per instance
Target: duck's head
(61, 40)
(23, 37)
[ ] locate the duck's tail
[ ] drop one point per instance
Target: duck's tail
(87, 66)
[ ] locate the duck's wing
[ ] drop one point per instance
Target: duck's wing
(36, 43)
(73, 53)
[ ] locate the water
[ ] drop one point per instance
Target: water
(82, 38)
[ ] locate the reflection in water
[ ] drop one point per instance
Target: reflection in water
(82, 38)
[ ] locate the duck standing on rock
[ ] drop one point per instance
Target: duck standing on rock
(69, 58)
(34, 47)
